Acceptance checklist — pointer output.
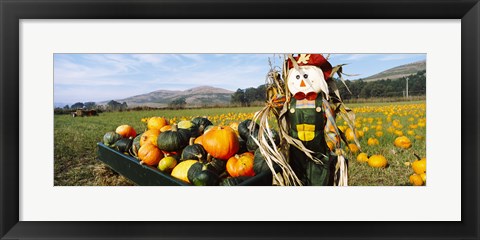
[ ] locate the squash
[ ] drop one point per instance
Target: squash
(199, 175)
(156, 123)
(166, 128)
(241, 165)
(126, 131)
(110, 138)
(377, 161)
(259, 163)
(420, 166)
(149, 154)
(201, 123)
(243, 146)
(135, 145)
(199, 140)
(233, 181)
(123, 145)
(252, 145)
(194, 152)
(402, 142)
(217, 166)
(234, 126)
(167, 164)
(174, 140)
(362, 157)
(221, 142)
(189, 126)
(181, 170)
(149, 136)
(246, 127)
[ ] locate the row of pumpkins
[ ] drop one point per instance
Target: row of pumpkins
(195, 151)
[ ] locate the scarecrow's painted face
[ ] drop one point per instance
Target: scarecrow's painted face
(306, 79)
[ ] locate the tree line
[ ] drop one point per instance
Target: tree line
(110, 106)
(358, 89)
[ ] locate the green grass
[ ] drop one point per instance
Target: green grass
(75, 146)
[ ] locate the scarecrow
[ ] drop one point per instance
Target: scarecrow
(305, 102)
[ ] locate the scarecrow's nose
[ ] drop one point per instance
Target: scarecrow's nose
(302, 83)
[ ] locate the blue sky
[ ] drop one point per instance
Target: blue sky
(101, 77)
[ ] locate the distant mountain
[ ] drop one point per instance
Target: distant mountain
(195, 97)
(398, 72)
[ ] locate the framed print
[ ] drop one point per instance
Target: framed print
(72, 55)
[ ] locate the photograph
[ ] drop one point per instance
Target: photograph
(238, 119)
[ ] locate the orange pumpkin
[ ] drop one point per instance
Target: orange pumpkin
(156, 123)
(149, 136)
(150, 154)
(241, 165)
(199, 140)
(221, 142)
(126, 131)
(166, 128)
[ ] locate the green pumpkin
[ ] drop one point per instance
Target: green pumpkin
(202, 123)
(252, 145)
(123, 145)
(243, 146)
(173, 140)
(246, 127)
(110, 138)
(259, 164)
(217, 166)
(189, 126)
(135, 145)
(233, 181)
(199, 175)
(194, 152)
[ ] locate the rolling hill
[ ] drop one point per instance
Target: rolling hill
(195, 97)
(398, 72)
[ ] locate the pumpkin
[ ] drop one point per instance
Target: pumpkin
(362, 157)
(149, 154)
(243, 146)
(166, 128)
(416, 180)
(194, 152)
(420, 166)
(350, 135)
(174, 140)
(245, 128)
(201, 123)
(402, 142)
(123, 145)
(156, 123)
(199, 175)
(372, 142)
(110, 138)
(189, 126)
(181, 170)
(234, 181)
(167, 164)
(377, 161)
(259, 163)
(217, 166)
(126, 131)
(199, 140)
(241, 165)
(149, 136)
(221, 142)
(252, 145)
(353, 148)
(135, 145)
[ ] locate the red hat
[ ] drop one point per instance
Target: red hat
(313, 60)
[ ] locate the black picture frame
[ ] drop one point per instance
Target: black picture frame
(12, 11)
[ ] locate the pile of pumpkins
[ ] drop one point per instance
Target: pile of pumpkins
(195, 151)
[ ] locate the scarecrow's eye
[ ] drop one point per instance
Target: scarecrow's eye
(305, 75)
(298, 76)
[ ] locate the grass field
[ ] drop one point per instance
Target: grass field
(75, 141)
